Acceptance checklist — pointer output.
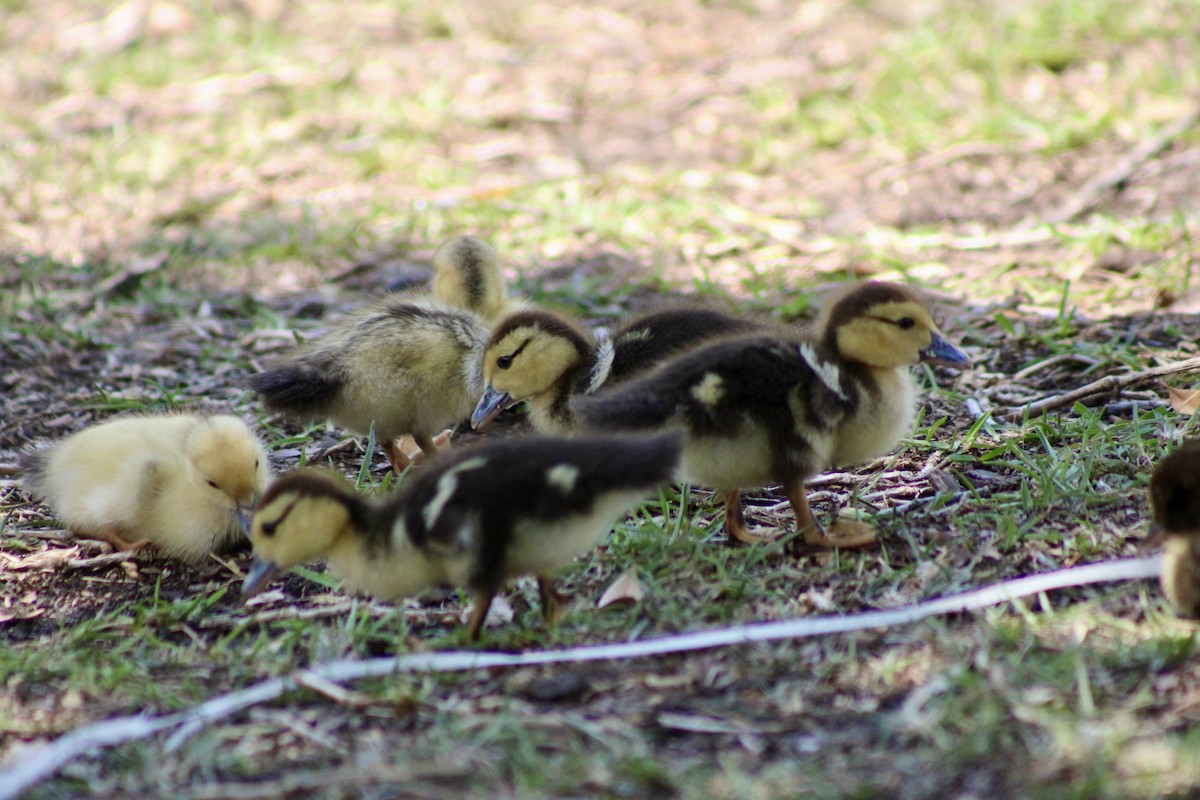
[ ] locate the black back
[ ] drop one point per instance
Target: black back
(642, 343)
(756, 374)
(492, 486)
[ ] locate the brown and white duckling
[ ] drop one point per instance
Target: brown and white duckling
(758, 410)
(546, 358)
(408, 363)
(176, 481)
(405, 364)
(475, 518)
(1175, 497)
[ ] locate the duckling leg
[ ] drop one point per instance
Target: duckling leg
(396, 457)
(847, 534)
(735, 520)
(428, 448)
(551, 600)
(814, 534)
(481, 601)
(114, 537)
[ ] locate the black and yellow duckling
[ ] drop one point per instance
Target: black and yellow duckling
(475, 518)
(758, 410)
(177, 481)
(408, 363)
(546, 358)
(1175, 496)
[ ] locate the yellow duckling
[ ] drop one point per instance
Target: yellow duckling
(466, 274)
(176, 481)
(1175, 496)
(758, 410)
(408, 363)
(477, 518)
(546, 358)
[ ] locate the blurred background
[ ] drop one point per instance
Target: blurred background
(751, 147)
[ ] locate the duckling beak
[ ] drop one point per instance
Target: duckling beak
(243, 517)
(943, 354)
(489, 407)
(261, 573)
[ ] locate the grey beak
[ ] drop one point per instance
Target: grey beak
(489, 407)
(261, 573)
(943, 354)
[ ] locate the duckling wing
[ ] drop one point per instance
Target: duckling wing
(715, 389)
(541, 500)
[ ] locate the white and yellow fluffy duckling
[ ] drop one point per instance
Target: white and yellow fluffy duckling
(759, 410)
(409, 364)
(1175, 496)
(547, 358)
(476, 518)
(177, 481)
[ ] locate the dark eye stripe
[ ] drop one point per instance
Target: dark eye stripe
(268, 528)
(504, 362)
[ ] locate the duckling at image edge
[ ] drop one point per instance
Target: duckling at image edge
(476, 518)
(407, 363)
(758, 410)
(547, 358)
(180, 482)
(1175, 497)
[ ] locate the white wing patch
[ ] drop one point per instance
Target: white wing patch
(603, 366)
(446, 486)
(710, 389)
(562, 477)
(828, 373)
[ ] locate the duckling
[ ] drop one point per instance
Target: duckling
(177, 481)
(1175, 496)
(405, 364)
(476, 518)
(547, 358)
(768, 409)
(466, 274)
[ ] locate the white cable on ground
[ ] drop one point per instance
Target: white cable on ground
(45, 762)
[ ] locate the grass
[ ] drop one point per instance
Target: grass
(737, 150)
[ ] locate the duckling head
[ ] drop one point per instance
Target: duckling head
(887, 326)
(300, 518)
(1175, 492)
(466, 274)
(530, 354)
(229, 460)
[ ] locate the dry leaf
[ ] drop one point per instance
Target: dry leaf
(47, 559)
(624, 589)
(1185, 401)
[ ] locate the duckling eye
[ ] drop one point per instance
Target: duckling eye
(905, 323)
(504, 362)
(213, 484)
(268, 528)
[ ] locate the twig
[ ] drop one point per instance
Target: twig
(1090, 193)
(1106, 385)
(38, 765)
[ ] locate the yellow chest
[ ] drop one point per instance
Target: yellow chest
(879, 421)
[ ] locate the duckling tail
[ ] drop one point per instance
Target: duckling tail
(295, 389)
